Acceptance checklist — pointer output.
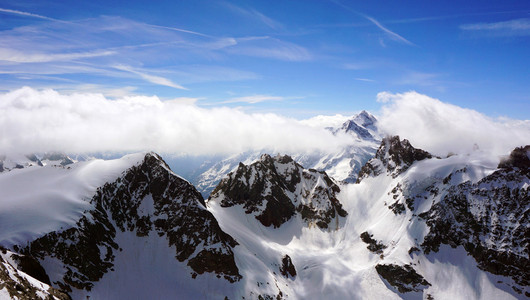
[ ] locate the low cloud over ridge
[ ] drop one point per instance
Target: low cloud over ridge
(38, 121)
(442, 128)
(46, 120)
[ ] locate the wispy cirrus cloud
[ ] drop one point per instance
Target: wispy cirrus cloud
(26, 14)
(453, 16)
(272, 48)
(254, 99)
(17, 56)
(150, 78)
(389, 33)
(255, 15)
(516, 27)
(364, 79)
(92, 47)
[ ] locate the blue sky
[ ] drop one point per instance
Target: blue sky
(295, 58)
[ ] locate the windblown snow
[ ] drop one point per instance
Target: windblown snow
(37, 200)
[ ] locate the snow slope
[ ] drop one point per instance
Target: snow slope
(337, 264)
(414, 226)
(38, 200)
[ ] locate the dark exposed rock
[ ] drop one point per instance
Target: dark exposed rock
(394, 156)
(271, 189)
(410, 203)
(397, 208)
(413, 249)
(404, 278)
(287, 269)
(32, 267)
(490, 219)
(87, 250)
(519, 158)
(373, 245)
(18, 287)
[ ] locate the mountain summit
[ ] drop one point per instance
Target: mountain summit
(274, 189)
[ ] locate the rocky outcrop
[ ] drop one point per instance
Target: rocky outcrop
(373, 245)
(148, 199)
(519, 158)
(394, 157)
(404, 278)
(287, 268)
(275, 189)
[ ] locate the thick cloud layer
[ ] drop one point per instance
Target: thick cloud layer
(38, 121)
(443, 128)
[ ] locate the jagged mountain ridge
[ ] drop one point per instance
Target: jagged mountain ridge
(489, 219)
(8, 163)
(487, 215)
(344, 165)
(408, 196)
(275, 189)
(150, 202)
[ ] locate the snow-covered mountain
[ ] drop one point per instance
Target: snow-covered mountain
(342, 165)
(17, 161)
(142, 225)
(274, 190)
(413, 226)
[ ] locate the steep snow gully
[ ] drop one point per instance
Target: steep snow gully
(412, 226)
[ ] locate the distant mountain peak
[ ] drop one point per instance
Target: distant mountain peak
(365, 119)
(362, 125)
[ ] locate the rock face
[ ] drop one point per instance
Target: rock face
(519, 158)
(490, 219)
(275, 189)
(404, 278)
(14, 279)
(394, 157)
(287, 269)
(148, 199)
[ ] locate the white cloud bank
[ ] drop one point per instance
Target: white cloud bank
(38, 121)
(441, 128)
